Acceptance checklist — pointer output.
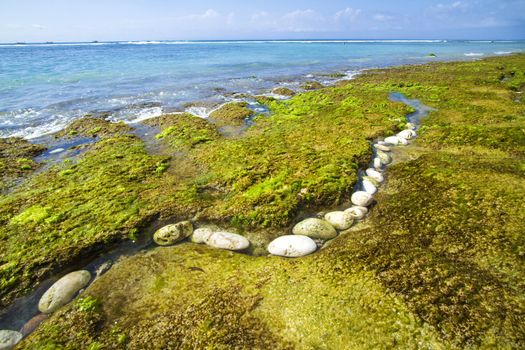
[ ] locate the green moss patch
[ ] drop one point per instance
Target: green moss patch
(93, 127)
(233, 113)
(16, 160)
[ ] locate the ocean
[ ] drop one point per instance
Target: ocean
(43, 87)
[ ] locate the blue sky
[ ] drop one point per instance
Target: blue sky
(87, 20)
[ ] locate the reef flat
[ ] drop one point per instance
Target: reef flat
(437, 264)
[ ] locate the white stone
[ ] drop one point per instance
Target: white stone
(376, 175)
(377, 163)
(407, 134)
(202, 234)
(402, 141)
(369, 187)
(357, 212)
(315, 228)
(227, 240)
(63, 291)
(392, 140)
(171, 234)
(292, 246)
(8, 339)
(382, 148)
(58, 150)
(339, 220)
(410, 126)
(362, 199)
(385, 158)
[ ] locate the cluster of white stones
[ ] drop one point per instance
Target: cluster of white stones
(302, 241)
(210, 235)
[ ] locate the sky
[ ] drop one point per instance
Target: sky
(109, 20)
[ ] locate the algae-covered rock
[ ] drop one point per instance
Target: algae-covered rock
(384, 157)
(339, 220)
(233, 113)
(93, 127)
(383, 148)
(292, 246)
(315, 228)
(171, 234)
(283, 91)
(63, 290)
(362, 199)
(228, 241)
(32, 324)
(311, 85)
(16, 159)
(8, 339)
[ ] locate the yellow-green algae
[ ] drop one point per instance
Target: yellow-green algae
(439, 263)
(233, 113)
(93, 127)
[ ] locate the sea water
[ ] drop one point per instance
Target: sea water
(43, 87)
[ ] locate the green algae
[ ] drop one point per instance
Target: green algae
(93, 127)
(59, 215)
(283, 91)
(439, 264)
(311, 85)
(184, 131)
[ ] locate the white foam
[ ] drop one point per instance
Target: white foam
(472, 54)
(146, 113)
(502, 52)
(201, 112)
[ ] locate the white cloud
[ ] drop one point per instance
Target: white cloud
(208, 14)
(382, 17)
(348, 14)
(38, 26)
(302, 21)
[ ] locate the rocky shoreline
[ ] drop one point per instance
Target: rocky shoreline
(257, 197)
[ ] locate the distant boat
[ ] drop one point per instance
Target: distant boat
(20, 43)
(49, 42)
(95, 41)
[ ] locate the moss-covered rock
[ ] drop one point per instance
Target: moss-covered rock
(93, 127)
(234, 113)
(183, 131)
(16, 160)
(311, 85)
(283, 91)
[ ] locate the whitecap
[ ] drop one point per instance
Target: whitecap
(472, 54)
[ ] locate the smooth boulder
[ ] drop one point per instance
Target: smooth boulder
(374, 174)
(202, 234)
(357, 212)
(8, 339)
(362, 198)
(377, 163)
(383, 148)
(369, 186)
(315, 228)
(227, 240)
(63, 291)
(410, 126)
(33, 324)
(392, 140)
(339, 220)
(171, 234)
(384, 157)
(292, 246)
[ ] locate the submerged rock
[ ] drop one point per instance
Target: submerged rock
(369, 186)
(202, 234)
(362, 198)
(63, 291)
(32, 324)
(227, 240)
(357, 212)
(8, 339)
(374, 174)
(407, 134)
(171, 234)
(339, 220)
(383, 148)
(315, 228)
(292, 246)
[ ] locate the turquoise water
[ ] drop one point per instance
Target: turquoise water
(45, 86)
